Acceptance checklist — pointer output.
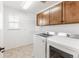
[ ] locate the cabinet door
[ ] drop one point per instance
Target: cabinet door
(71, 12)
(45, 17)
(39, 19)
(55, 14)
(39, 46)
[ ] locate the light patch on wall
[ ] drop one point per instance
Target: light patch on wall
(1, 15)
(13, 22)
(13, 18)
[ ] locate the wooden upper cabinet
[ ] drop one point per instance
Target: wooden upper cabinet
(43, 18)
(63, 13)
(55, 14)
(71, 12)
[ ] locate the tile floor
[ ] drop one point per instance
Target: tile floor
(20, 52)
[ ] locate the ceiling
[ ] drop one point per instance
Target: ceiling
(35, 7)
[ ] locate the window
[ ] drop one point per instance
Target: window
(13, 22)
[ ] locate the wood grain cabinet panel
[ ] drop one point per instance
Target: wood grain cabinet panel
(45, 17)
(39, 19)
(56, 15)
(71, 12)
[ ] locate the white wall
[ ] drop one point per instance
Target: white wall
(1, 24)
(68, 28)
(23, 36)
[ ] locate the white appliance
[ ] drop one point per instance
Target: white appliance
(40, 45)
(56, 50)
